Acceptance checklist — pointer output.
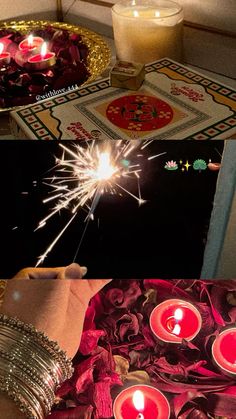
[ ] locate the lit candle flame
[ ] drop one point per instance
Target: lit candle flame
(157, 13)
(136, 13)
(138, 400)
(178, 314)
(176, 330)
(1, 48)
(43, 49)
(30, 40)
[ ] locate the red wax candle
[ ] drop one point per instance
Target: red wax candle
(141, 402)
(175, 320)
(5, 57)
(31, 43)
(224, 351)
(42, 60)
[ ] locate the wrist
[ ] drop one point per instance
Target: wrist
(9, 409)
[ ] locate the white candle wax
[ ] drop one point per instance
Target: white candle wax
(147, 30)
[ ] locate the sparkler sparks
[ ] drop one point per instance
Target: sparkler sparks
(85, 173)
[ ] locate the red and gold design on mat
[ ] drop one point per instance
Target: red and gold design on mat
(139, 113)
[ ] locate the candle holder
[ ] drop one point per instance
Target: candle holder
(77, 49)
(147, 30)
(43, 60)
(224, 351)
(31, 43)
(141, 402)
(174, 320)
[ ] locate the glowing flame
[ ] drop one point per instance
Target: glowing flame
(104, 170)
(43, 49)
(176, 330)
(138, 400)
(1, 48)
(136, 13)
(30, 40)
(157, 13)
(178, 314)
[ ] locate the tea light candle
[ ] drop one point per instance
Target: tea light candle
(5, 57)
(175, 320)
(43, 60)
(147, 30)
(141, 402)
(224, 351)
(31, 43)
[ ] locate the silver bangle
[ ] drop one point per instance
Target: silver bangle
(31, 367)
(25, 350)
(25, 403)
(29, 377)
(31, 391)
(36, 336)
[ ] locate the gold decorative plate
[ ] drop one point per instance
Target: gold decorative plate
(99, 55)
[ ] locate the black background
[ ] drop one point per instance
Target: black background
(162, 239)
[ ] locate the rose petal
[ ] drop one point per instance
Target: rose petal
(81, 412)
(89, 341)
(100, 394)
(179, 402)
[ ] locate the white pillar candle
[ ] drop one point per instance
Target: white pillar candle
(147, 30)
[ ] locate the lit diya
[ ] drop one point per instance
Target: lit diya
(141, 402)
(224, 351)
(174, 320)
(31, 43)
(5, 57)
(214, 166)
(42, 60)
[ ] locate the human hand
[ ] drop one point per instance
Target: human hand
(55, 306)
(73, 271)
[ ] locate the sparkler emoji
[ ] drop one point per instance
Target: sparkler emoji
(85, 173)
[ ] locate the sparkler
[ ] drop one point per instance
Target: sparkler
(86, 174)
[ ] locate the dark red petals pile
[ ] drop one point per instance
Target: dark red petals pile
(19, 86)
(118, 348)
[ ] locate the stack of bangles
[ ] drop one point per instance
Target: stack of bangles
(32, 367)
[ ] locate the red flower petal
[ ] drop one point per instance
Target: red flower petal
(90, 340)
(81, 412)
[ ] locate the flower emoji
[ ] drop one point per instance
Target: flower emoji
(171, 165)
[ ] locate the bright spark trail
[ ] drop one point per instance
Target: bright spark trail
(85, 173)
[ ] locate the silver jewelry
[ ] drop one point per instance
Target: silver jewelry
(32, 367)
